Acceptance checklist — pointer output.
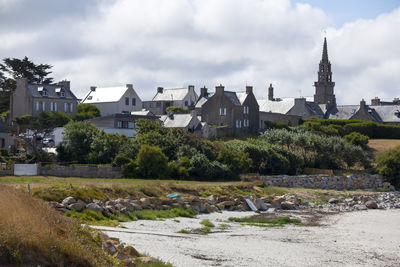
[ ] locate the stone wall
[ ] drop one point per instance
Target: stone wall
(81, 171)
(321, 181)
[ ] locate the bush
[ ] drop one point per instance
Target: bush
(120, 160)
(130, 170)
(4, 152)
(152, 162)
(237, 161)
(357, 139)
(276, 125)
(388, 165)
(177, 109)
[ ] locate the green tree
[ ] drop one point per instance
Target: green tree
(87, 111)
(388, 164)
(152, 162)
(355, 138)
(177, 110)
(30, 130)
(13, 68)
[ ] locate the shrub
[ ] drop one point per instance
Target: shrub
(120, 160)
(4, 152)
(130, 170)
(276, 125)
(152, 162)
(357, 139)
(388, 164)
(177, 109)
(237, 161)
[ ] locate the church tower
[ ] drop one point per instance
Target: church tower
(324, 86)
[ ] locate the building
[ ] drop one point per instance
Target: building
(114, 100)
(166, 97)
(31, 99)
(188, 122)
(232, 113)
(120, 123)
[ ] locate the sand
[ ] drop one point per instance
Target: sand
(362, 238)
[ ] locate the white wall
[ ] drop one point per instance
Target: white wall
(25, 169)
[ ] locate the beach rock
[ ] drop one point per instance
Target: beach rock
(68, 201)
(94, 207)
(276, 201)
(78, 206)
(370, 204)
(131, 251)
(109, 247)
(287, 205)
(147, 259)
(333, 201)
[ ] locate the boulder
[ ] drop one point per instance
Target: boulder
(276, 201)
(78, 206)
(333, 201)
(94, 207)
(287, 205)
(371, 204)
(68, 201)
(109, 247)
(131, 251)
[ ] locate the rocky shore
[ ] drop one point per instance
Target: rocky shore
(386, 200)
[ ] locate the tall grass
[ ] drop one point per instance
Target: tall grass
(33, 233)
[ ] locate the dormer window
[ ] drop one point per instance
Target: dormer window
(90, 97)
(60, 91)
(42, 91)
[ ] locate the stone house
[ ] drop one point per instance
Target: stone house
(232, 113)
(120, 123)
(32, 99)
(113, 100)
(166, 97)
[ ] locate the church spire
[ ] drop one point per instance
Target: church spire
(324, 85)
(325, 52)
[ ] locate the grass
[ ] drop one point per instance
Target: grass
(278, 222)
(207, 223)
(33, 233)
(108, 219)
(380, 145)
(154, 264)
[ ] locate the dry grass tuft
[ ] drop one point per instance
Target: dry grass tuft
(32, 233)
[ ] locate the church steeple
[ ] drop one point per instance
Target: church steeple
(324, 86)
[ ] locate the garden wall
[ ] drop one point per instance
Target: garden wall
(81, 171)
(321, 181)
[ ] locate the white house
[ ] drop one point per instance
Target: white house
(112, 100)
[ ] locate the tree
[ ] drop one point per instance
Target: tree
(31, 129)
(177, 110)
(13, 68)
(152, 162)
(87, 111)
(389, 165)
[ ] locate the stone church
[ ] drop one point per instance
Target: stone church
(323, 105)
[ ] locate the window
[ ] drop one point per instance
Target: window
(51, 106)
(133, 101)
(246, 123)
(222, 111)
(245, 109)
(55, 106)
(144, 105)
(65, 107)
(127, 101)
(186, 103)
(158, 104)
(151, 104)
(131, 125)
(70, 107)
(37, 105)
(44, 92)
(43, 106)
(62, 94)
(119, 124)
(238, 124)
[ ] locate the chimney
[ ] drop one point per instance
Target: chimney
(375, 101)
(270, 92)
(191, 87)
(219, 89)
(362, 104)
(249, 89)
(160, 90)
(203, 91)
(129, 86)
(93, 88)
(396, 101)
(66, 84)
(300, 101)
(193, 113)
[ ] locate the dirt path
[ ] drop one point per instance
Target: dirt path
(365, 238)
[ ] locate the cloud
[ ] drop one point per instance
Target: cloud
(203, 42)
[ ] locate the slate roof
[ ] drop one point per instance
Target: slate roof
(278, 105)
(203, 100)
(315, 108)
(342, 112)
(241, 96)
(378, 113)
(169, 94)
(177, 121)
(232, 97)
(53, 91)
(105, 94)
(388, 113)
(143, 113)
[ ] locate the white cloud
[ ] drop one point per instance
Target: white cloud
(206, 42)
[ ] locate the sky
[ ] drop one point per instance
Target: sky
(235, 43)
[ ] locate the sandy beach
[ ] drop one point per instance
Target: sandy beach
(362, 238)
